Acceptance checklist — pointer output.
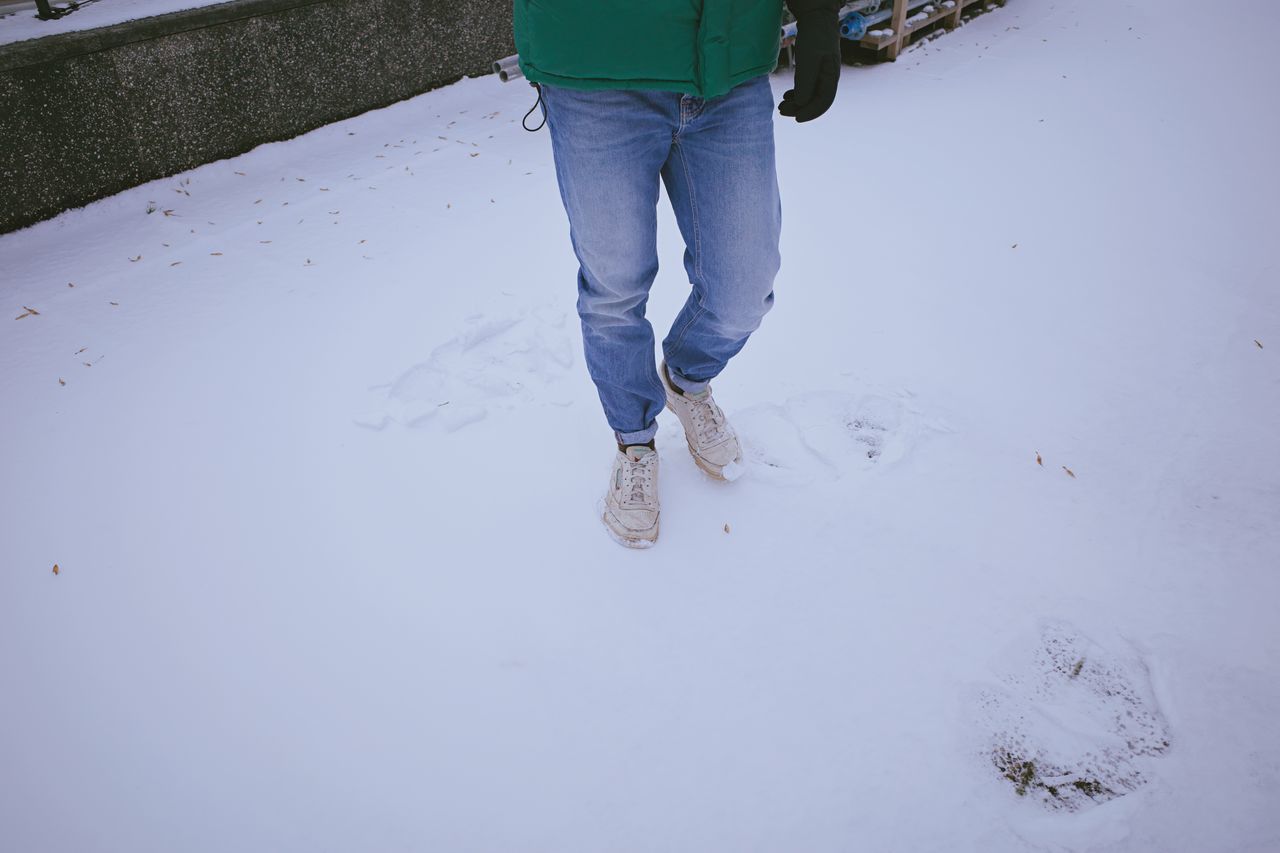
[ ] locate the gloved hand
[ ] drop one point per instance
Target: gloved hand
(817, 51)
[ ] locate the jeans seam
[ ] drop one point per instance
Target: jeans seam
(675, 347)
(660, 388)
(697, 248)
(693, 214)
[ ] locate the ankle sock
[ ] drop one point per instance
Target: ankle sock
(622, 448)
(670, 383)
(680, 392)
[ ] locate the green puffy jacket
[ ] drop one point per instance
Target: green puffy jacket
(698, 47)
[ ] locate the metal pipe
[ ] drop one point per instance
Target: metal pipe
(508, 68)
(886, 14)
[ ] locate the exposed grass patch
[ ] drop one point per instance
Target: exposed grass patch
(1026, 778)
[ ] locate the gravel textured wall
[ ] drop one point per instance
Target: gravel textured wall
(84, 115)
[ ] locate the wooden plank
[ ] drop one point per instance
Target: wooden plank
(880, 42)
(937, 15)
(899, 31)
(875, 42)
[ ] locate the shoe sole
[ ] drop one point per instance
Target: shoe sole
(636, 542)
(639, 540)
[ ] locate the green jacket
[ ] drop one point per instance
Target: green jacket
(698, 47)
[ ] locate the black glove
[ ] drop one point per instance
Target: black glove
(817, 51)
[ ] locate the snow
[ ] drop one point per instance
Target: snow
(24, 24)
(321, 486)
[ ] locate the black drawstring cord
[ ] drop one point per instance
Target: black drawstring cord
(538, 103)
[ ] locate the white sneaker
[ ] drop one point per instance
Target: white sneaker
(711, 439)
(631, 505)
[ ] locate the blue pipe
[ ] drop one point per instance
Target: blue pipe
(853, 26)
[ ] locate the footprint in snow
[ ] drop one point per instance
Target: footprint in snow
(493, 364)
(826, 435)
(1075, 725)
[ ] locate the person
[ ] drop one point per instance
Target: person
(676, 90)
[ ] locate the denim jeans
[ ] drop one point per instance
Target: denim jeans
(716, 158)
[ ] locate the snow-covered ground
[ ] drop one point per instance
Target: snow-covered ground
(23, 23)
(320, 486)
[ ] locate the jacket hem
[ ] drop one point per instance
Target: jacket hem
(684, 87)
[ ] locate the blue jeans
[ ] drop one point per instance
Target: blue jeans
(716, 159)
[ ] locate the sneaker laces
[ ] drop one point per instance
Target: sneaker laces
(637, 478)
(708, 419)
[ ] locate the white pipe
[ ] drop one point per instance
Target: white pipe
(508, 68)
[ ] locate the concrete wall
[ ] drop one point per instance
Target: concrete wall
(87, 114)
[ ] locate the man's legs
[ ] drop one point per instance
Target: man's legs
(609, 148)
(716, 158)
(722, 181)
